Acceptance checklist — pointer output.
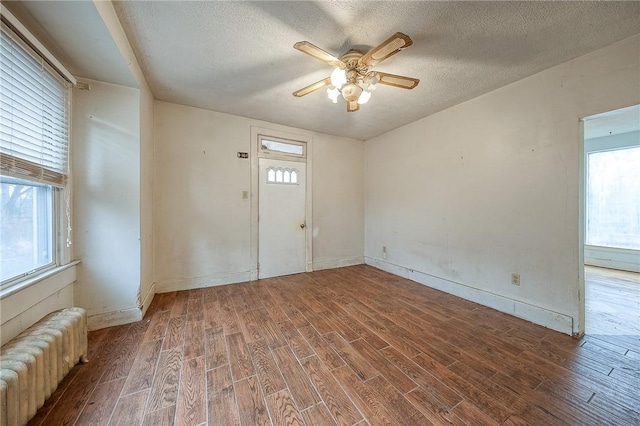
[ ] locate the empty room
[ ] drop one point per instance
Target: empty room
(319, 213)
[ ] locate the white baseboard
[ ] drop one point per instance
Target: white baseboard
(148, 298)
(536, 314)
(201, 282)
(109, 319)
(338, 263)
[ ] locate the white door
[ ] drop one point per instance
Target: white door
(281, 218)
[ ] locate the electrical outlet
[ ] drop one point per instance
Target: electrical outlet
(515, 279)
(384, 252)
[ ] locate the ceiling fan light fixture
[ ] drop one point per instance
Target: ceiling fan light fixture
(371, 81)
(338, 77)
(351, 92)
(364, 97)
(333, 93)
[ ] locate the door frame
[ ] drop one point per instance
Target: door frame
(255, 155)
(580, 330)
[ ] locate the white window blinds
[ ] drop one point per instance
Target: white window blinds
(34, 114)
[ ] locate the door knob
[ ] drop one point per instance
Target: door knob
(303, 225)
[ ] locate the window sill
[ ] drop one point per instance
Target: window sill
(611, 257)
(24, 303)
(36, 279)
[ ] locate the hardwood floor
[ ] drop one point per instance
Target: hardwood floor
(351, 346)
(612, 302)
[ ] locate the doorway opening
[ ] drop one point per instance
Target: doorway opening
(611, 222)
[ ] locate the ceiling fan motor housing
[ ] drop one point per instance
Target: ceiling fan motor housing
(352, 61)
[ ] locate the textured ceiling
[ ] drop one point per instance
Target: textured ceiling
(238, 57)
(75, 33)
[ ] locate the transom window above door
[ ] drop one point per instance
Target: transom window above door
(271, 147)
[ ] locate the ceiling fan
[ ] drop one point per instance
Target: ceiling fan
(352, 77)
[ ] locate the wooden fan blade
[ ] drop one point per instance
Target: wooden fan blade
(389, 47)
(352, 106)
(397, 80)
(316, 52)
(312, 87)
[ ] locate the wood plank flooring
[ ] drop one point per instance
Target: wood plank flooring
(349, 346)
(612, 302)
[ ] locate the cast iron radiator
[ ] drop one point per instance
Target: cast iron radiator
(33, 363)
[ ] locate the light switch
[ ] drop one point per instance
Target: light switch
(245, 195)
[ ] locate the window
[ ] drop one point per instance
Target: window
(282, 148)
(613, 198)
(284, 176)
(26, 226)
(34, 140)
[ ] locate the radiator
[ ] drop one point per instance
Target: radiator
(35, 362)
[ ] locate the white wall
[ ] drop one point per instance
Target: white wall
(106, 193)
(338, 202)
(138, 209)
(463, 198)
(202, 225)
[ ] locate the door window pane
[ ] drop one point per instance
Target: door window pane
(282, 176)
(26, 227)
(613, 198)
